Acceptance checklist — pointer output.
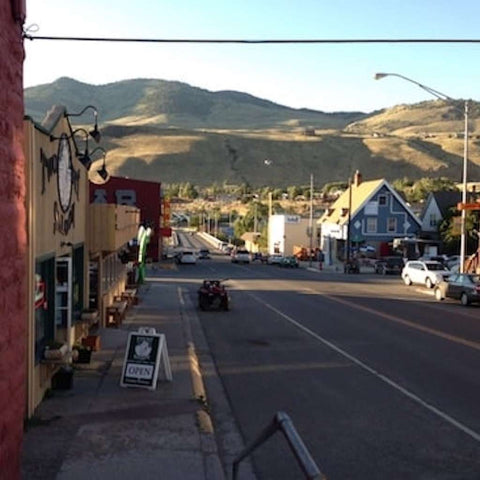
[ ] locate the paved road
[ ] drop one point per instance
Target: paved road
(380, 380)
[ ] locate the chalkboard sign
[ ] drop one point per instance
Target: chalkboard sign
(145, 350)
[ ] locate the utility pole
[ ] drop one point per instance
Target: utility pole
(349, 218)
(310, 222)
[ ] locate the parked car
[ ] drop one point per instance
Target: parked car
(240, 256)
(274, 259)
(186, 257)
(226, 249)
(289, 262)
(204, 254)
(388, 265)
(453, 261)
(460, 286)
(259, 257)
(427, 273)
(443, 259)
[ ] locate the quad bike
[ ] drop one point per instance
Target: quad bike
(351, 266)
(213, 296)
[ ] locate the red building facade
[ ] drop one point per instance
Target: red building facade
(13, 239)
(142, 194)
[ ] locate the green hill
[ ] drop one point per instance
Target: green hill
(172, 132)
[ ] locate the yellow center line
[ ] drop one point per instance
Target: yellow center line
(406, 323)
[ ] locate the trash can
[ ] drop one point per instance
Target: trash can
(63, 379)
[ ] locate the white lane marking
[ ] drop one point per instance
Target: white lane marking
(380, 376)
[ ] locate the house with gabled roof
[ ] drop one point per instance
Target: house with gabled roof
(437, 208)
(374, 213)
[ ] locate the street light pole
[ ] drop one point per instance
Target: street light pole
(310, 220)
(443, 96)
(349, 220)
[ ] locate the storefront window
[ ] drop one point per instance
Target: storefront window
(44, 304)
(78, 259)
(93, 282)
(113, 268)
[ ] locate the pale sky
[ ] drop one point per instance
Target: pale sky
(326, 77)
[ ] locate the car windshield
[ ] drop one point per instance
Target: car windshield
(474, 278)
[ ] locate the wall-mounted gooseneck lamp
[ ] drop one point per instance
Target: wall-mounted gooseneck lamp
(102, 171)
(85, 157)
(95, 133)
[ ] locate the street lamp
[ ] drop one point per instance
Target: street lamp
(310, 220)
(442, 96)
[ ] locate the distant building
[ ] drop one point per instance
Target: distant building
(309, 132)
(288, 231)
(139, 193)
(437, 208)
(251, 241)
(375, 213)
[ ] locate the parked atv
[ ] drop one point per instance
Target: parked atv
(351, 266)
(213, 296)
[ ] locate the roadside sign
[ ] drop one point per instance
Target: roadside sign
(145, 350)
(468, 206)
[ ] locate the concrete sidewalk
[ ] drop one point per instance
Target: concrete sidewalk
(100, 430)
(336, 267)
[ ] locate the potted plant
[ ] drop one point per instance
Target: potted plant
(55, 350)
(82, 354)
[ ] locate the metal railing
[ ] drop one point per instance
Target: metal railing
(281, 421)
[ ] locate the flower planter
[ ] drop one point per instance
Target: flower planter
(82, 354)
(55, 353)
(92, 341)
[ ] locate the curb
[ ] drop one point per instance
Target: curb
(213, 464)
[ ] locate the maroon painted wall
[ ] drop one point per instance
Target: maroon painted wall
(146, 196)
(13, 240)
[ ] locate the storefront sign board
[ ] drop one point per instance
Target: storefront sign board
(146, 351)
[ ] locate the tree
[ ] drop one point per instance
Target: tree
(450, 230)
(419, 190)
(293, 191)
(187, 190)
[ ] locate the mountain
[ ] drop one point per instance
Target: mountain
(175, 104)
(173, 132)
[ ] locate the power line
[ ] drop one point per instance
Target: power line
(260, 41)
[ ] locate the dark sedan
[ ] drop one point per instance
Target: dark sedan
(460, 286)
(387, 265)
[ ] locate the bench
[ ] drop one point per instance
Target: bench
(116, 313)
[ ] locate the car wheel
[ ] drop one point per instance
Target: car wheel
(428, 282)
(406, 280)
(438, 294)
(464, 299)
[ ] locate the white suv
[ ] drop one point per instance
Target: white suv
(240, 256)
(427, 272)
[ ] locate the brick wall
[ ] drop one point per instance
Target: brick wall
(12, 241)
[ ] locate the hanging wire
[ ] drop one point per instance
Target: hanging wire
(33, 28)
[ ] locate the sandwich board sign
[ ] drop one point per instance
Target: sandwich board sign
(146, 350)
